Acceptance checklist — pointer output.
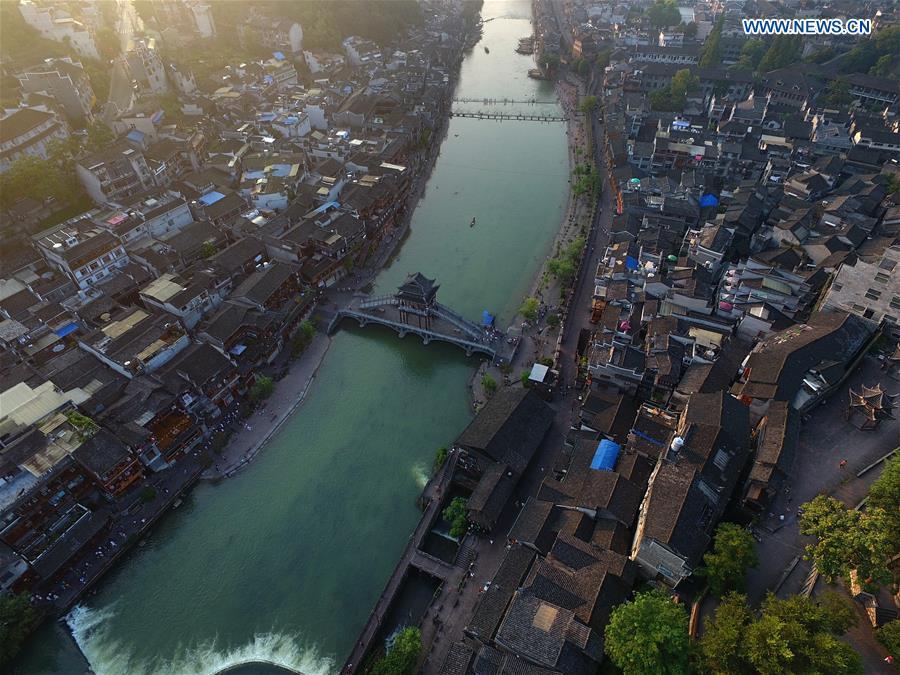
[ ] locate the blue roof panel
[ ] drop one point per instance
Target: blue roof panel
(606, 456)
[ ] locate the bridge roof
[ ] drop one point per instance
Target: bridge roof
(418, 288)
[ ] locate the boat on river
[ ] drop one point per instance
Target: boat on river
(486, 50)
(472, 224)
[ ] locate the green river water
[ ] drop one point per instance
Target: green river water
(284, 561)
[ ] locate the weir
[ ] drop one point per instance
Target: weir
(414, 309)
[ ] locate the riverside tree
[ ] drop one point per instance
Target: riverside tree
(734, 551)
(847, 540)
(402, 656)
(456, 514)
(529, 308)
(17, 618)
(262, 388)
(649, 635)
(796, 635)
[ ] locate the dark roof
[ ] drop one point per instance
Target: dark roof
(509, 428)
(202, 364)
(494, 489)
(261, 284)
(102, 453)
(457, 660)
(493, 602)
(418, 288)
(239, 254)
(21, 122)
(779, 362)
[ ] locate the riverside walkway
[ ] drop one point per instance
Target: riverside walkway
(430, 320)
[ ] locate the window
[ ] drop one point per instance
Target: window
(895, 302)
(869, 313)
(882, 278)
(837, 287)
(872, 294)
(858, 308)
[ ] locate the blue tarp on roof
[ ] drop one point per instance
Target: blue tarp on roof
(709, 200)
(606, 455)
(278, 56)
(136, 136)
(325, 207)
(631, 263)
(211, 198)
(487, 319)
(65, 330)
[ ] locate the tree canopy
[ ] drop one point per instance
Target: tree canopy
(649, 635)
(796, 635)
(847, 540)
(885, 495)
(529, 308)
(783, 51)
(402, 656)
(664, 13)
(457, 515)
(734, 551)
(711, 55)
(673, 97)
(17, 618)
(262, 388)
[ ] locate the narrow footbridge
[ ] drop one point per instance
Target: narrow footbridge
(418, 312)
(520, 117)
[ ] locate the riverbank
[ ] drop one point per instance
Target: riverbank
(576, 219)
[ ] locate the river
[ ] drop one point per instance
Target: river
(284, 561)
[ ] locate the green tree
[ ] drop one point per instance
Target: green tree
(734, 551)
(783, 51)
(524, 378)
(439, 458)
(690, 30)
(649, 635)
(262, 388)
(796, 635)
(489, 384)
(402, 656)
(457, 515)
(17, 619)
(99, 136)
(884, 66)
(889, 636)
(683, 83)
(108, 42)
(847, 539)
(588, 103)
(664, 13)
(752, 53)
(303, 338)
(722, 643)
(529, 308)
(548, 62)
(711, 55)
(885, 495)
(208, 249)
(38, 179)
(603, 58)
(838, 92)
